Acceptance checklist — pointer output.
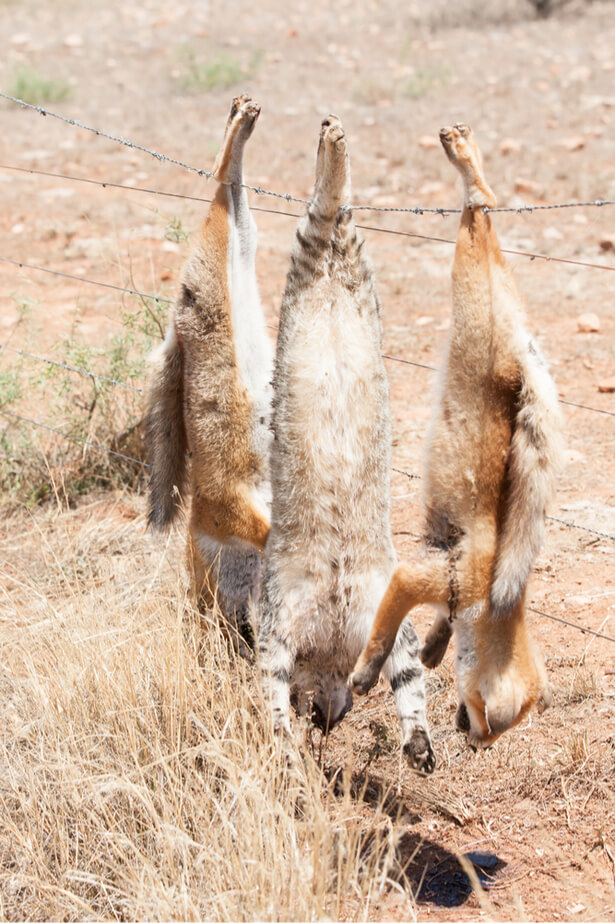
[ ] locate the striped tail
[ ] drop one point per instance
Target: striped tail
(166, 434)
(532, 466)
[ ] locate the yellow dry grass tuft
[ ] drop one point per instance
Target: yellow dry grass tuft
(138, 777)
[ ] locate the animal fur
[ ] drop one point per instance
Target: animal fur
(492, 457)
(330, 555)
(208, 406)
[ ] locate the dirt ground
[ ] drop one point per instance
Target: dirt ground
(540, 95)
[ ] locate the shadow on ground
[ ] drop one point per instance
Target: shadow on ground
(432, 873)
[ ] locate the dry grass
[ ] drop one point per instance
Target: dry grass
(139, 778)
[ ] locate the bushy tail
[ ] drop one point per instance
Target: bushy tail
(165, 433)
(532, 466)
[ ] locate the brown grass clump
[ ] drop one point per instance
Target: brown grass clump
(138, 777)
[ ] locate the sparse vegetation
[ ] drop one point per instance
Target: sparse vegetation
(175, 231)
(29, 85)
(370, 92)
(89, 407)
(138, 777)
(426, 79)
(220, 70)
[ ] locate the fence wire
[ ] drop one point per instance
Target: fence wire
(72, 368)
(77, 439)
(287, 196)
(563, 522)
(95, 445)
(364, 227)
(162, 300)
(416, 210)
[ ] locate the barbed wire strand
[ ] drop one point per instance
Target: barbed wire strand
(88, 374)
(526, 253)
(575, 525)
(77, 439)
(159, 192)
(564, 522)
(68, 275)
(71, 368)
(105, 184)
(415, 210)
(519, 209)
(159, 298)
(609, 413)
(557, 618)
(96, 445)
(364, 227)
(287, 197)
(206, 174)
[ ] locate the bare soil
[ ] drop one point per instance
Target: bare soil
(540, 95)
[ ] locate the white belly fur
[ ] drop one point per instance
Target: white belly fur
(330, 415)
(253, 347)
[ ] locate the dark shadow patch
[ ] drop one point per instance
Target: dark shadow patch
(446, 884)
(422, 867)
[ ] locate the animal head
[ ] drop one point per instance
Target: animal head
(502, 678)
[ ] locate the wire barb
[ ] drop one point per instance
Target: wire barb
(159, 298)
(287, 196)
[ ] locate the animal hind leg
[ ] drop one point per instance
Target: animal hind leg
(404, 671)
(228, 166)
(332, 188)
(312, 248)
(436, 641)
(425, 580)
(462, 151)
(277, 659)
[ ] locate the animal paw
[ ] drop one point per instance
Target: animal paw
(333, 134)
(247, 108)
(462, 150)
(545, 699)
(419, 752)
(364, 677)
(435, 645)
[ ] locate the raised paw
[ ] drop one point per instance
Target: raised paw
(332, 188)
(239, 126)
(333, 134)
(462, 150)
(419, 752)
(247, 108)
(458, 141)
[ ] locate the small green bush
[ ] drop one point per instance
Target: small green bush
(29, 85)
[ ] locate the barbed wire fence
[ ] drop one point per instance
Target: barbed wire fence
(288, 197)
